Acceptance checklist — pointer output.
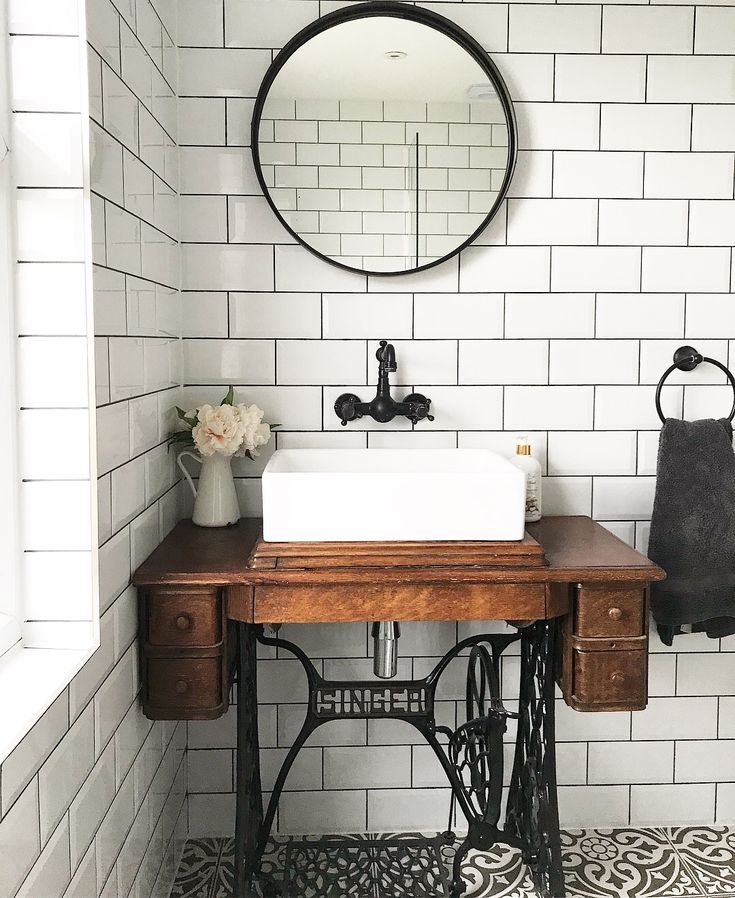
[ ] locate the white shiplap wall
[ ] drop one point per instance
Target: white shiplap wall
(93, 800)
(614, 246)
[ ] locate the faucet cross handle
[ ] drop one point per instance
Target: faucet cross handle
(419, 407)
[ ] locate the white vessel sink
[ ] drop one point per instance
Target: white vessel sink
(356, 495)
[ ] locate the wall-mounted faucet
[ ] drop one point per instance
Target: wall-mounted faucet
(384, 407)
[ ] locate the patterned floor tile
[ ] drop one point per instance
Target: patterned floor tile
(624, 863)
(709, 853)
(604, 863)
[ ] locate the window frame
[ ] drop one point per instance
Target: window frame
(10, 596)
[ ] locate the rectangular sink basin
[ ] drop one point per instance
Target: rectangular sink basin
(365, 495)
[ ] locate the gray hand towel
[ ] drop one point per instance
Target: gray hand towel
(693, 528)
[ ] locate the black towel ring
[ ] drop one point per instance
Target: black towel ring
(686, 358)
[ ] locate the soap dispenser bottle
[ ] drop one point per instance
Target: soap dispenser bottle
(527, 463)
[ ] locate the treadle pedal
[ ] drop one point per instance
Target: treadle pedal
(370, 867)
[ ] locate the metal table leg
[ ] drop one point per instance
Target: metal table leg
(249, 802)
(532, 803)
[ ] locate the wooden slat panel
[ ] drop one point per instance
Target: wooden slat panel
(383, 601)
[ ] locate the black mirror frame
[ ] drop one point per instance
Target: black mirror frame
(414, 14)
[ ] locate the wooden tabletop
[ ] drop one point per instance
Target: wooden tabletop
(572, 548)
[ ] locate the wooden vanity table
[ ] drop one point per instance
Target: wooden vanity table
(204, 595)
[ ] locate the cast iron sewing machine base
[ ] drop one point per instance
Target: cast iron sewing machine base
(472, 760)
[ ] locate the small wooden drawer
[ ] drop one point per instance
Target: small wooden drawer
(610, 678)
(185, 617)
(185, 685)
(609, 611)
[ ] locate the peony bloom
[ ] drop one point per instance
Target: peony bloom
(219, 429)
(255, 433)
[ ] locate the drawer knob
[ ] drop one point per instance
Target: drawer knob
(617, 678)
(615, 613)
(181, 687)
(183, 622)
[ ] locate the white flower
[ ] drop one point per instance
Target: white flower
(255, 433)
(219, 429)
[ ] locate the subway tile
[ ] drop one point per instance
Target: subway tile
(713, 127)
(460, 408)
(549, 315)
(215, 169)
(568, 496)
(423, 361)
(366, 316)
(672, 804)
(554, 29)
(221, 73)
(688, 269)
(640, 315)
(465, 315)
(704, 761)
(631, 762)
(33, 133)
(533, 174)
(227, 267)
(301, 812)
(593, 361)
(705, 674)
(52, 871)
(647, 29)
(50, 225)
(51, 299)
(271, 315)
(528, 76)
(552, 221)
(501, 268)
(297, 269)
(593, 806)
(601, 174)
(599, 453)
(91, 803)
(320, 362)
(19, 838)
(372, 767)
(504, 361)
(65, 770)
(657, 355)
(633, 407)
(487, 23)
(46, 73)
(415, 810)
(706, 175)
(715, 31)
(600, 79)
(712, 223)
(200, 23)
(563, 126)
(649, 126)
(233, 361)
(548, 408)
(709, 314)
(677, 718)
(251, 220)
(691, 79)
(596, 269)
(644, 222)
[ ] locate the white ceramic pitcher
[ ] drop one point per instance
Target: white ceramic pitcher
(215, 500)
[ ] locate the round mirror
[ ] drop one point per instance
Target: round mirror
(384, 138)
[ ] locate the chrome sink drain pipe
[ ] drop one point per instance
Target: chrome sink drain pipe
(385, 648)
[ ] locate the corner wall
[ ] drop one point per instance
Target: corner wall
(93, 800)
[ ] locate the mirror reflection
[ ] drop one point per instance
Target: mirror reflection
(384, 144)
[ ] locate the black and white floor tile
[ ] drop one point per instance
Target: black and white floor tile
(604, 863)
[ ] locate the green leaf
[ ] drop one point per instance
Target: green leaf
(229, 398)
(192, 422)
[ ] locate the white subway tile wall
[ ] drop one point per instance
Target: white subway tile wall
(93, 800)
(616, 245)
